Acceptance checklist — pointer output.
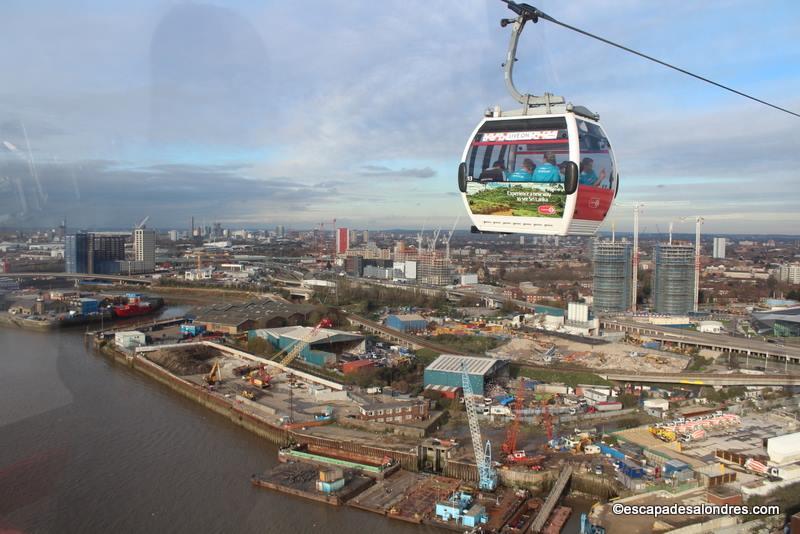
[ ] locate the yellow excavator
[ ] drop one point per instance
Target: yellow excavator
(214, 376)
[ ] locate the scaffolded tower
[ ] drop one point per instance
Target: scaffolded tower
(612, 276)
(674, 278)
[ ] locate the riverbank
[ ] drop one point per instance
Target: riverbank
(90, 445)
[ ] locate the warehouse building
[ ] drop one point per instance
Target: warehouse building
(446, 371)
(780, 323)
(242, 317)
(407, 323)
(322, 348)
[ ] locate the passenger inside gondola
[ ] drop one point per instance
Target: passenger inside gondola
(525, 174)
(548, 172)
(495, 173)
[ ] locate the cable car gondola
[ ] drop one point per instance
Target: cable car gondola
(545, 169)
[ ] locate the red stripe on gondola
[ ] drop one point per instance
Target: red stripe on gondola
(534, 142)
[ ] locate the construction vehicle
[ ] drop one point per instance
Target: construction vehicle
(664, 434)
(259, 378)
(214, 376)
(487, 476)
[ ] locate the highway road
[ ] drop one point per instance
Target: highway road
(702, 379)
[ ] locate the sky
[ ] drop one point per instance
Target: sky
(259, 113)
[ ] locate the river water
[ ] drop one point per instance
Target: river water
(87, 445)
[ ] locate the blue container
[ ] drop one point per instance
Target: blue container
(632, 470)
(192, 329)
(674, 466)
(88, 306)
(611, 451)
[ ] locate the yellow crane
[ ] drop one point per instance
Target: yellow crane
(294, 350)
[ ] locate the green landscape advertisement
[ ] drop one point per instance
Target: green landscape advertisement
(516, 199)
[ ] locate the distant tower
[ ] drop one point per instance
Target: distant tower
(342, 240)
(719, 248)
(144, 248)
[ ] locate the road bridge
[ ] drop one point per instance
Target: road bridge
(83, 276)
(395, 336)
(718, 342)
(704, 379)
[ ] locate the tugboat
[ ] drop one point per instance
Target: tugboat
(135, 306)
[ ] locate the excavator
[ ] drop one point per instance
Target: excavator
(214, 376)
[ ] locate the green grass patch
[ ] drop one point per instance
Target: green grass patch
(471, 344)
(570, 378)
(426, 356)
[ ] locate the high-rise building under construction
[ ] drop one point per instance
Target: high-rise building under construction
(673, 279)
(612, 281)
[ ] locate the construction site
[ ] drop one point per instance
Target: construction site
(512, 451)
(541, 349)
(448, 483)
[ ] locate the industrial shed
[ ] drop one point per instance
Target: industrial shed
(321, 349)
(784, 449)
(407, 323)
(233, 318)
(446, 371)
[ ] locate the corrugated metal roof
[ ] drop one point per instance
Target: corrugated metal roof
(407, 317)
(299, 332)
(452, 363)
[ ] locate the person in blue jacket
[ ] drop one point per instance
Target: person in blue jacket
(525, 174)
(588, 176)
(547, 172)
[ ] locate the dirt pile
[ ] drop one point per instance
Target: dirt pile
(189, 360)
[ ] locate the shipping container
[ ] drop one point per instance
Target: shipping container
(611, 451)
(609, 406)
(674, 466)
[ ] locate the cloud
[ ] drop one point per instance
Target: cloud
(114, 196)
(296, 113)
(386, 172)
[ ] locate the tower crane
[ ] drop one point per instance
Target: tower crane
(448, 238)
(435, 239)
(487, 476)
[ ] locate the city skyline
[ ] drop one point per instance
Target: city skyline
(176, 118)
